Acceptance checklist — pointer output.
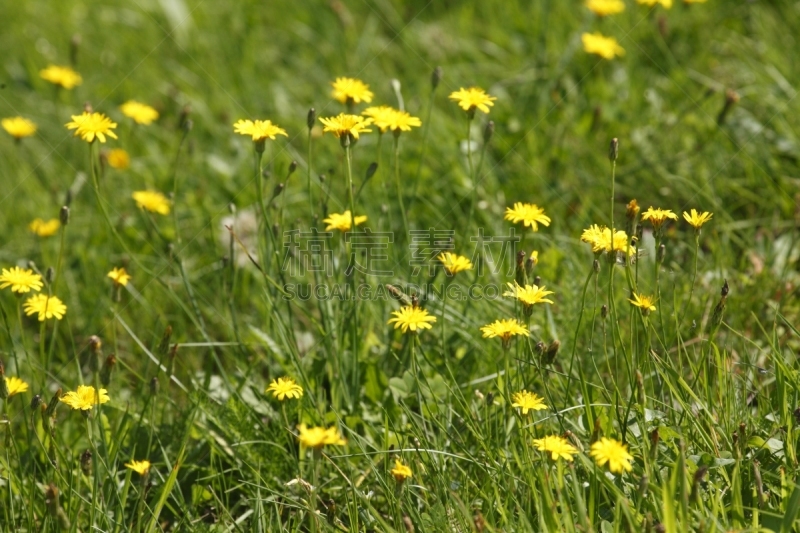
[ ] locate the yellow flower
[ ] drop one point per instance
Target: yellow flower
(89, 126)
(599, 237)
(18, 127)
(528, 401)
(120, 276)
(118, 158)
(20, 280)
(140, 467)
(454, 263)
(15, 386)
(153, 201)
(529, 294)
(531, 215)
(85, 397)
(411, 318)
(473, 98)
(352, 90)
(556, 446)
(45, 228)
(697, 219)
(695, 1)
(342, 221)
(402, 121)
(45, 306)
(139, 112)
(283, 388)
(645, 303)
(382, 116)
(505, 329)
(605, 47)
(400, 471)
(344, 125)
(612, 452)
(666, 3)
(602, 8)
(657, 217)
(63, 76)
(318, 437)
(259, 130)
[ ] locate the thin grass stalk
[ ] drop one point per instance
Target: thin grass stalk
(397, 184)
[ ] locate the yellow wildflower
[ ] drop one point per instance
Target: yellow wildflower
(44, 228)
(605, 47)
(657, 217)
(473, 98)
(382, 116)
(45, 306)
(612, 452)
(505, 329)
(139, 112)
(603, 8)
(259, 130)
(153, 201)
(283, 388)
(453, 263)
(20, 280)
(318, 437)
(118, 159)
(411, 318)
(342, 221)
(85, 397)
(529, 294)
(351, 90)
(645, 303)
(599, 237)
(344, 125)
(18, 127)
(666, 3)
(120, 276)
(140, 467)
(528, 401)
(558, 447)
(697, 219)
(400, 471)
(15, 386)
(531, 215)
(91, 126)
(62, 76)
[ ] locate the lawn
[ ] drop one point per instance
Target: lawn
(551, 287)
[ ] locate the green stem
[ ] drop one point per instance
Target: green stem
(310, 190)
(354, 333)
(425, 130)
(397, 184)
(694, 276)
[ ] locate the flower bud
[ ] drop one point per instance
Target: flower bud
(488, 132)
(371, 170)
(613, 150)
(107, 369)
(36, 401)
(632, 209)
(63, 215)
(50, 274)
(154, 386)
(725, 289)
(596, 266)
(436, 77)
(51, 407)
(74, 46)
(292, 168)
(311, 118)
(86, 462)
(4, 392)
(551, 352)
(537, 281)
(604, 311)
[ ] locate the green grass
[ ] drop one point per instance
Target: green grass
(705, 400)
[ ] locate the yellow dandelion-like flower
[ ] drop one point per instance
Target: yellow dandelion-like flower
(85, 397)
(400, 471)
(556, 446)
(259, 130)
(62, 76)
(411, 318)
(604, 8)
(45, 306)
(139, 112)
(657, 217)
(599, 237)
(605, 47)
(45, 228)
(402, 121)
(528, 401)
(120, 276)
(342, 221)
(352, 90)
(319, 437)
(644, 302)
(505, 329)
(612, 452)
(140, 467)
(382, 116)
(20, 280)
(344, 125)
(531, 215)
(453, 263)
(473, 98)
(529, 294)
(91, 126)
(18, 127)
(153, 201)
(666, 3)
(283, 388)
(118, 159)
(697, 219)
(15, 386)
(695, 1)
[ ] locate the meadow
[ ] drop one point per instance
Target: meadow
(399, 265)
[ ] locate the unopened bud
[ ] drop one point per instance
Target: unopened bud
(50, 274)
(95, 344)
(311, 118)
(292, 168)
(51, 407)
(613, 149)
(63, 215)
(86, 462)
(632, 210)
(107, 370)
(537, 281)
(278, 190)
(725, 289)
(4, 392)
(488, 132)
(731, 99)
(36, 401)
(371, 170)
(187, 126)
(74, 46)
(640, 389)
(551, 352)
(154, 386)
(87, 107)
(604, 311)
(436, 77)
(596, 266)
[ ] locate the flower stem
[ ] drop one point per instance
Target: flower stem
(397, 184)
(354, 333)
(310, 190)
